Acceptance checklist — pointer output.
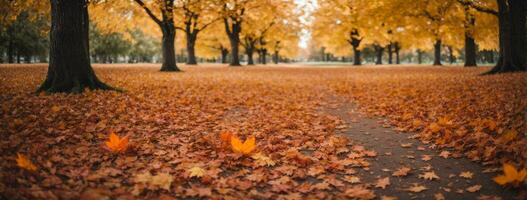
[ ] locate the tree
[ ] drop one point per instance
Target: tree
(511, 16)
(168, 29)
(233, 14)
(196, 16)
(69, 66)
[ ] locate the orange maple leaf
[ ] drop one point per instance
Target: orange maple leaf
(511, 175)
(24, 163)
(225, 136)
(117, 144)
(244, 148)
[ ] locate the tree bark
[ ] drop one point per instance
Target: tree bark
(250, 53)
(233, 30)
(169, 49)
(390, 53)
(69, 65)
(275, 57)
(419, 56)
(512, 37)
(397, 49)
(191, 50)
(451, 56)
(437, 52)
(470, 43)
(378, 51)
(356, 56)
(224, 54)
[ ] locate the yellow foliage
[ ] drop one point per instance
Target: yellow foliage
(244, 148)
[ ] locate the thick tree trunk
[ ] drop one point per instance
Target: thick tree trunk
(69, 65)
(378, 51)
(437, 52)
(235, 57)
(512, 37)
(470, 43)
(191, 51)
(169, 49)
(470, 51)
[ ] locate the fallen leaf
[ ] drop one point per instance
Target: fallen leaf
(196, 172)
(161, 180)
(426, 157)
(474, 188)
(244, 148)
(439, 196)
(467, 175)
(416, 188)
(24, 163)
(117, 144)
(225, 136)
(382, 183)
(429, 176)
(511, 175)
(406, 145)
(403, 171)
(262, 160)
(444, 154)
(388, 198)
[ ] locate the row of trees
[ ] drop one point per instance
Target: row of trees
(422, 25)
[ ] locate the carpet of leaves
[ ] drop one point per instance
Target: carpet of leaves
(174, 122)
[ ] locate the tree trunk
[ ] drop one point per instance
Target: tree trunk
(235, 57)
(419, 56)
(250, 53)
(378, 51)
(356, 56)
(224, 54)
(69, 64)
(470, 43)
(512, 37)
(169, 49)
(437, 52)
(390, 53)
(397, 49)
(275, 57)
(191, 52)
(470, 51)
(10, 50)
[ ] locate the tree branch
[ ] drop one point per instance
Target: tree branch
(478, 7)
(149, 12)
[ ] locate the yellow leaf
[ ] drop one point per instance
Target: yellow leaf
(24, 163)
(434, 127)
(509, 135)
(196, 172)
(117, 144)
(244, 148)
(55, 109)
(511, 175)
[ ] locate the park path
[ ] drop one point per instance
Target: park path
(391, 155)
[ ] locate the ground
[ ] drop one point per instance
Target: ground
(321, 133)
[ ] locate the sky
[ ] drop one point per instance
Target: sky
(308, 6)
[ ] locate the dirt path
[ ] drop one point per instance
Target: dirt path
(391, 155)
